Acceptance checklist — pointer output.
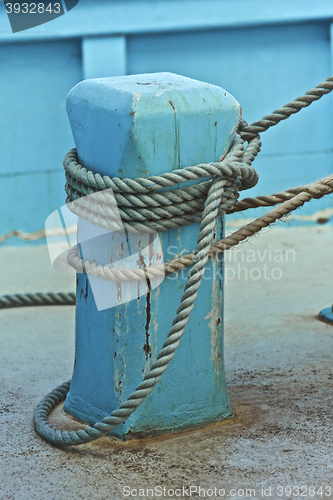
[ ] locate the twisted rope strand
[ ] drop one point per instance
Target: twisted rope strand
(139, 222)
(87, 182)
(250, 131)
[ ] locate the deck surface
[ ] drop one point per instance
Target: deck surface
(279, 368)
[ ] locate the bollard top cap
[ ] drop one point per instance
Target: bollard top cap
(148, 83)
(141, 125)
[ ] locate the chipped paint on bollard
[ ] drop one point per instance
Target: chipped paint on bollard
(136, 126)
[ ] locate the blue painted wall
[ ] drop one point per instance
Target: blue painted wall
(264, 53)
(34, 130)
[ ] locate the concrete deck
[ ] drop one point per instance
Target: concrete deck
(279, 368)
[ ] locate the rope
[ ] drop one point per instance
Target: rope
(289, 109)
(37, 235)
(233, 173)
(310, 191)
(141, 208)
(295, 198)
(235, 169)
(317, 189)
(37, 299)
(88, 182)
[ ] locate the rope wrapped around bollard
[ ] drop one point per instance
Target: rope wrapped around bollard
(142, 205)
(234, 170)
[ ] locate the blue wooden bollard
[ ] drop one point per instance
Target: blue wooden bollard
(136, 126)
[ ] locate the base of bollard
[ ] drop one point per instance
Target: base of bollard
(82, 412)
(61, 419)
(165, 433)
(327, 315)
(186, 427)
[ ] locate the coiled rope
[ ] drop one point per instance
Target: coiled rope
(143, 208)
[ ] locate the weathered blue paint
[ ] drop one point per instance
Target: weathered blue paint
(264, 53)
(138, 126)
(327, 314)
(34, 130)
